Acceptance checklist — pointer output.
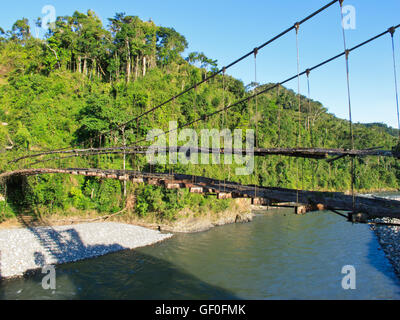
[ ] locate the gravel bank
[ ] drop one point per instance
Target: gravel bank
(389, 239)
(28, 249)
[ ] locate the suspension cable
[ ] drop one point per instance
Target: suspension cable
(256, 117)
(224, 120)
(256, 98)
(246, 99)
(297, 27)
(309, 124)
(196, 109)
(309, 104)
(206, 79)
(279, 114)
(347, 52)
(392, 31)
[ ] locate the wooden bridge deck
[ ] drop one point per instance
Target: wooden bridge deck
(372, 207)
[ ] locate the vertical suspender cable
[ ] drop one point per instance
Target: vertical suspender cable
(195, 103)
(392, 30)
(91, 145)
(223, 95)
(309, 123)
(309, 102)
(256, 118)
(279, 120)
(256, 98)
(297, 27)
(175, 114)
(137, 138)
(224, 118)
(279, 115)
(347, 74)
(349, 101)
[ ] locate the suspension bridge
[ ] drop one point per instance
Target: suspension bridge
(354, 207)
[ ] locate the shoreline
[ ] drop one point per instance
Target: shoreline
(186, 221)
(24, 250)
(195, 224)
(389, 240)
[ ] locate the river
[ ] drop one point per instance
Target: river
(278, 256)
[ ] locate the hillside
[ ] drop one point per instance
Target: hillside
(85, 79)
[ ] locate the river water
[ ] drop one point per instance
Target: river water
(278, 256)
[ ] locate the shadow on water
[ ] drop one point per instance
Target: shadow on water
(135, 275)
(126, 274)
(123, 275)
(274, 257)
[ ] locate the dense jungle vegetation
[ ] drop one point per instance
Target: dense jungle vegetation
(84, 79)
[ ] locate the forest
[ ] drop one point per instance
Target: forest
(81, 84)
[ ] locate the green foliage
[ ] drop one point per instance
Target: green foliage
(84, 80)
(108, 196)
(165, 204)
(46, 190)
(22, 137)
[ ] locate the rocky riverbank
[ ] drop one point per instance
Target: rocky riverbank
(200, 224)
(190, 222)
(389, 239)
(26, 249)
(30, 248)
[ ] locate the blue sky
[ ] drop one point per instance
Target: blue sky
(226, 29)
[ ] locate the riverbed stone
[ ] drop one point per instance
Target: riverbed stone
(27, 249)
(389, 239)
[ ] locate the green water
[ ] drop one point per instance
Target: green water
(277, 256)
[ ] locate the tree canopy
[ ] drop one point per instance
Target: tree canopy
(84, 79)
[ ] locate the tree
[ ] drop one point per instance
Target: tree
(170, 44)
(21, 30)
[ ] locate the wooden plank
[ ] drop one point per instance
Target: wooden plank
(196, 190)
(173, 185)
(224, 195)
(137, 180)
(260, 201)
